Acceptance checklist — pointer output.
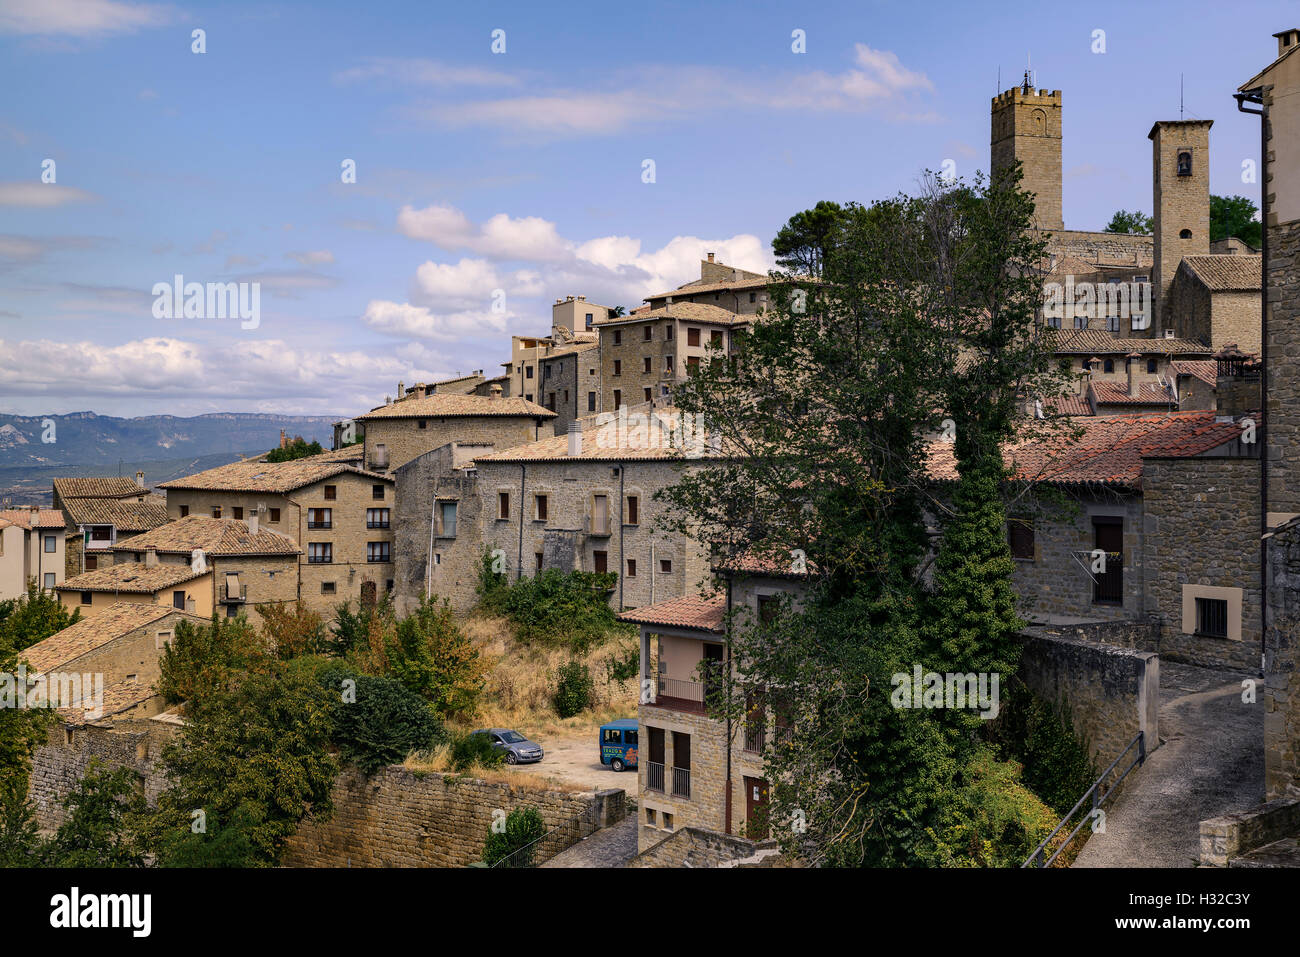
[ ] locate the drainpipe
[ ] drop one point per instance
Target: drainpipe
(1257, 96)
(622, 566)
(519, 561)
(727, 685)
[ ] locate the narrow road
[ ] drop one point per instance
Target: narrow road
(609, 847)
(1211, 763)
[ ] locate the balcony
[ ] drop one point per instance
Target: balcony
(599, 528)
(680, 695)
(654, 776)
(236, 596)
(682, 782)
(316, 525)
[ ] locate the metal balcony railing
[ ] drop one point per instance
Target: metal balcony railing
(654, 776)
(240, 596)
(680, 695)
(681, 782)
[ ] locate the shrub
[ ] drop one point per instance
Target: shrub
(104, 812)
(624, 665)
(220, 844)
(378, 721)
(573, 689)
(570, 608)
(474, 751)
(200, 656)
(1058, 766)
(292, 630)
(516, 844)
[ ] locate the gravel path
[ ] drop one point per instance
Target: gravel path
(609, 847)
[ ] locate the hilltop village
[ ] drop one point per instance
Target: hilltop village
(1181, 462)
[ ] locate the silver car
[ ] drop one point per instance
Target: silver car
(518, 749)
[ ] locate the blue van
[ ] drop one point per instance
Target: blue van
(618, 744)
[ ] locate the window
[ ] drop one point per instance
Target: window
(618, 398)
(645, 364)
(185, 510)
(320, 553)
(649, 333)
(378, 551)
(1151, 365)
(646, 394)
(537, 559)
(446, 519)
(1109, 365)
(503, 505)
(753, 297)
(618, 367)
(1184, 234)
(591, 402)
(1020, 536)
(715, 339)
(423, 424)
(650, 816)
(1185, 163)
(539, 507)
(377, 492)
(633, 510)
(668, 363)
(51, 543)
(178, 599)
(1212, 617)
(232, 611)
(331, 492)
(320, 518)
(49, 581)
(618, 337)
(161, 640)
(86, 597)
(327, 588)
(588, 320)
(237, 513)
(631, 568)
(668, 333)
(666, 566)
(692, 337)
(377, 518)
(92, 561)
(692, 365)
(528, 372)
(388, 585)
(275, 515)
(600, 561)
(216, 511)
(546, 372)
(600, 515)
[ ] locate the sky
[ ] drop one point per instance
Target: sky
(505, 155)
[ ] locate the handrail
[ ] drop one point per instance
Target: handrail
(1035, 859)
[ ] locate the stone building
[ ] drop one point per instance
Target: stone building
(32, 543)
(721, 286)
(642, 356)
(1216, 300)
(101, 512)
(400, 431)
(250, 565)
(338, 513)
(1027, 127)
(150, 582)
(570, 383)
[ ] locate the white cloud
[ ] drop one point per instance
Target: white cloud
(318, 257)
(40, 195)
(420, 72)
(420, 322)
(78, 18)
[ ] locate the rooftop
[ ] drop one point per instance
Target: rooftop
(1100, 342)
(447, 406)
(94, 632)
(1224, 273)
(114, 486)
(125, 514)
(132, 577)
(690, 611)
(690, 311)
(44, 518)
(275, 478)
(215, 536)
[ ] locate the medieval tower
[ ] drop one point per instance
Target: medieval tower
(1180, 178)
(1027, 127)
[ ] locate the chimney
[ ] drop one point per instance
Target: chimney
(139, 479)
(1287, 39)
(151, 558)
(575, 440)
(252, 522)
(495, 390)
(1084, 378)
(284, 440)
(710, 257)
(1134, 386)
(189, 605)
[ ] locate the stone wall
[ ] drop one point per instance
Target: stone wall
(1226, 837)
(1111, 693)
(1201, 533)
(700, 847)
(62, 761)
(405, 440)
(1281, 695)
(1283, 387)
(1106, 249)
(398, 818)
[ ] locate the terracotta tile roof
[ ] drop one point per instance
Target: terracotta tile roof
(45, 518)
(1207, 370)
(215, 536)
(766, 565)
(114, 486)
(1222, 273)
(699, 286)
(446, 406)
(275, 478)
(127, 515)
(690, 311)
(94, 632)
(1149, 393)
(1108, 452)
(133, 577)
(1068, 405)
(1100, 342)
(118, 697)
(689, 611)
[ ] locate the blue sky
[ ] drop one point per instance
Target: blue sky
(518, 171)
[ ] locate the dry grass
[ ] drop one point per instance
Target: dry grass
(521, 679)
(439, 759)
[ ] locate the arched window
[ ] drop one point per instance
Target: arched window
(1109, 365)
(1184, 163)
(1185, 234)
(1151, 365)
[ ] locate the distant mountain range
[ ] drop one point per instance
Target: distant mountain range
(162, 446)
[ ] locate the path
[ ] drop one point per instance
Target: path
(609, 847)
(1211, 763)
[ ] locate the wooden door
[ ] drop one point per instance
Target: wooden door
(756, 800)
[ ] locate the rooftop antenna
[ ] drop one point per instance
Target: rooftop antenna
(1180, 96)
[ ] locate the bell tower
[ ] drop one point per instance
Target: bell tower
(1027, 127)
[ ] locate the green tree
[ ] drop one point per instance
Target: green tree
(200, 656)
(378, 721)
(573, 689)
(32, 617)
(1135, 222)
(297, 449)
(102, 827)
(20, 840)
(802, 244)
(217, 844)
(1235, 216)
